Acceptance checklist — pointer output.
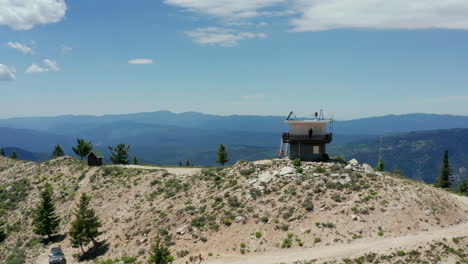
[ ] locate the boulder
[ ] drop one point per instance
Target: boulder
(240, 219)
(265, 177)
(181, 230)
(427, 212)
(348, 167)
(355, 217)
(287, 171)
(335, 175)
(344, 179)
(367, 168)
(353, 162)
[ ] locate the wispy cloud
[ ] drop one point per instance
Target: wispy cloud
(140, 61)
(24, 14)
(51, 66)
(21, 47)
(314, 15)
(222, 37)
(380, 14)
(66, 49)
(34, 68)
(7, 73)
(237, 9)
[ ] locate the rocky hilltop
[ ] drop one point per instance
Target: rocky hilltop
(254, 209)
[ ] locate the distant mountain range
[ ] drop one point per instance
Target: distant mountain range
(417, 154)
(164, 137)
(23, 154)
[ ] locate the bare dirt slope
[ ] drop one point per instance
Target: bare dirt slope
(244, 213)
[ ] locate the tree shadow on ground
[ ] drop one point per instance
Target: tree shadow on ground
(54, 239)
(96, 251)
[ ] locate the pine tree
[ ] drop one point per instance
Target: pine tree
(135, 160)
(180, 163)
(85, 227)
(58, 152)
(444, 179)
(14, 155)
(46, 222)
(463, 187)
(119, 154)
(2, 152)
(3, 235)
(380, 165)
(222, 155)
(160, 254)
(187, 163)
(82, 148)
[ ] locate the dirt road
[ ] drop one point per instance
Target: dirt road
(182, 171)
(378, 245)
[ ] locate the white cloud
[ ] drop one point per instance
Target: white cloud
(20, 47)
(227, 8)
(53, 66)
(140, 61)
(318, 15)
(223, 37)
(24, 14)
(34, 68)
(7, 73)
(380, 14)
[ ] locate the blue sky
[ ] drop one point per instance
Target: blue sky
(355, 58)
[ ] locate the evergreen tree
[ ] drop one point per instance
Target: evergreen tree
(180, 163)
(119, 154)
(2, 152)
(58, 152)
(187, 163)
(463, 187)
(380, 165)
(46, 222)
(14, 155)
(160, 254)
(222, 155)
(444, 179)
(3, 235)
(85, 227)
(135, 160)
(82, 148)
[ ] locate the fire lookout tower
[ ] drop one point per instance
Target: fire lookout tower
(306, 139)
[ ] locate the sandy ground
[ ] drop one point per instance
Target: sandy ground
(183, 171)
(378, 245)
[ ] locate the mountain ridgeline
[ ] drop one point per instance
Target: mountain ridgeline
(167, 138)
(417, 154)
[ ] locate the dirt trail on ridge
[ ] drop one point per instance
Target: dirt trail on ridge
(355, 249)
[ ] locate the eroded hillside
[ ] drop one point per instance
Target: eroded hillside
(246, 209)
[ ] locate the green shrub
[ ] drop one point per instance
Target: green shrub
(286, 243)
(127, 259)
(317, 240)
(297, 162)
(258, 234)
(308, 205)
(227, 221)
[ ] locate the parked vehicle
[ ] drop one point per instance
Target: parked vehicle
(56, 256)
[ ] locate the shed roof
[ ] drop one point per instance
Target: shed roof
(96, 153)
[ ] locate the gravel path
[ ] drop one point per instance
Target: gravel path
(357, 248)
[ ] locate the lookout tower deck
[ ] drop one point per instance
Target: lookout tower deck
(306, 139)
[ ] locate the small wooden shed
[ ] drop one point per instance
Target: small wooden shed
(94, 158)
